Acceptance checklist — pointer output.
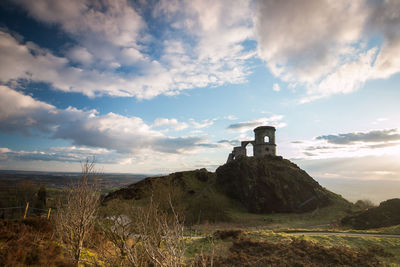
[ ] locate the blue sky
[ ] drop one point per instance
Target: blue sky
(162, 86)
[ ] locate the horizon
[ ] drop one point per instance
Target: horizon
(170, 86)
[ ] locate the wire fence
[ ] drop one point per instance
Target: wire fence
(24, 212)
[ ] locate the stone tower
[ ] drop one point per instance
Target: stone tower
(264, 144)
(264, 141)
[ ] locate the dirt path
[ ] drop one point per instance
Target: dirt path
(341, 233)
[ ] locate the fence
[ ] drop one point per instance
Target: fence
(23, 212)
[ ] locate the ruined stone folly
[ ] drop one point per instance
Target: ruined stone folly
(263, 144)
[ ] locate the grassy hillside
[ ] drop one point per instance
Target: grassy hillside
(241, 189)
(386, 214)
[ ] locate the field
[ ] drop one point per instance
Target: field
(218, 231)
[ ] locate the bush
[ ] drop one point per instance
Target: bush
(224, 234)
(29, 242)
(364, 204)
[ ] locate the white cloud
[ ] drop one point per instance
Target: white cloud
(62, 154)
(350, 145)
(170, 123)
(115, 22)
(311, 42)
(204, 43)
(243, 127)
(22, 114)
(384, 21)
(348, 78)
(276, 87)
(230, 117)
(80, 55)
(113, 34)
(371, 167)
(325, 46)
(202, 124)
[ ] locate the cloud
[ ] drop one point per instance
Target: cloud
(351, 145)
(372, 177)
(371, 136)
(311, 42)
(229, 143)
(24, 115)
(230, 118)
(113, 22)
(275, 120)
(112, 52)
(317, 47)
(202, 124)
(276, 87)
(384, 21)
(62, 154)
(326, 46)
(80, 55)
(370, 167)
(171, 123)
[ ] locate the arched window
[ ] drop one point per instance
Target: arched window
(266, 139)
(249, 150)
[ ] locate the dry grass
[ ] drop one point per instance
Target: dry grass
(29, 242)
(245, 252)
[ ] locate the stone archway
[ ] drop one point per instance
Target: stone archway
(249, 149)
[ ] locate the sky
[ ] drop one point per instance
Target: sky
(161, 86)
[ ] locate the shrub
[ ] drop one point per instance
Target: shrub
(364, 204)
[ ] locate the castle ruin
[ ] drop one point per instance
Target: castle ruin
(263, 144)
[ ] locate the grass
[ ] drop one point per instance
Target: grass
(276, 228)
(385, 249)
(323, 218)
(389, 247)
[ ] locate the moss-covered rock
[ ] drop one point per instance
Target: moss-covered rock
(272, 184)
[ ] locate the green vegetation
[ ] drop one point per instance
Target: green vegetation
(29, 243)
(271, 185)
(188, 219)
(261, 248)
(386, 214)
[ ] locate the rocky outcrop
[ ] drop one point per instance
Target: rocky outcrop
(272, 184)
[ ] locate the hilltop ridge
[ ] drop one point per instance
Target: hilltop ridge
(269, 184)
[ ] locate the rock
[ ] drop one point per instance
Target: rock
(271, 184)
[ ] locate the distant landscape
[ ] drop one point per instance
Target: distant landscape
(107, 181)
(199, 133)
(353, 190)
(251, 210)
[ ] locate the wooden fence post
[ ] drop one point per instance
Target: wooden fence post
(48, 214)
(26, 209)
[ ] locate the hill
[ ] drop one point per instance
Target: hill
(272, 184)
(386, 214)
(258, 185)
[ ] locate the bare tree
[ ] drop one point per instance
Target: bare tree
(146, 235)
(76, 213)
(162, 235)
(122, 245)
